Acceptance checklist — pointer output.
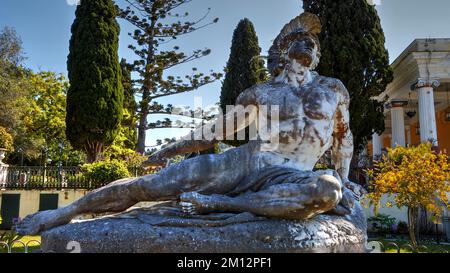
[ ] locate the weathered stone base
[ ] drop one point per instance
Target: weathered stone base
(141, 232)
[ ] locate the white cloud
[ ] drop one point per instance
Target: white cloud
(73, 2)
(375, 2)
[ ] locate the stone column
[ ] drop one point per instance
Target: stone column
(398, 123)
(408, 135)
(377, 146)
(427, 112)
(3, 169)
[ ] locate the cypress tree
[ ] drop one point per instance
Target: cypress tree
(353, 50)
(95, 96)
(244, 68)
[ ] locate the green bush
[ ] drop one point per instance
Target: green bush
(381, 222)
(104, 172)
(6, 140)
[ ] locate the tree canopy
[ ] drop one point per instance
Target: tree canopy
(157, 23)
(95, 96)
(244, 68)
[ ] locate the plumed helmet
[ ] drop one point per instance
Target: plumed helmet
(306, 24)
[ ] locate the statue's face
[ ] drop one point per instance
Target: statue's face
(305, 52)
(298, 51)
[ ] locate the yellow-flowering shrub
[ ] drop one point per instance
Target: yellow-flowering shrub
(6, 140)
(414, 177)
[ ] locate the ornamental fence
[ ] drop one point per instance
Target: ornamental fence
(51, 177)
(34, 246)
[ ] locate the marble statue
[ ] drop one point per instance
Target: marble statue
(267, 179)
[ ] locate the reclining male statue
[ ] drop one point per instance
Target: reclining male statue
(274, 180)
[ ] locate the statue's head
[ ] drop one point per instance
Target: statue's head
(298, 43)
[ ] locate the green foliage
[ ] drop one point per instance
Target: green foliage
(244, 68)
(11, 50)
(129, 121)
(156, 25)
(43, 121)
(33, 106)
(14, 82)
(9, 237)
(119, 151)
(6, 140)
(95, 96)
(103, 172)
(382, 222)
(353, 51)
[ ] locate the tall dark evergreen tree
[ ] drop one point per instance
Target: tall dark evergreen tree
(95, 97)
(353, 50)
(244, 68)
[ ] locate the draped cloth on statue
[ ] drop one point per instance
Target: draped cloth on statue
(276, 175)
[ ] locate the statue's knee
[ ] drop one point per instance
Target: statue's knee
(329, 189)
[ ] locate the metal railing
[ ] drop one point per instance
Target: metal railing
(392, 247)
(372, 247)
(51, 177)
(23, 247)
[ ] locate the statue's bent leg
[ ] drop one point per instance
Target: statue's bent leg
(294, 201)
(207, 174)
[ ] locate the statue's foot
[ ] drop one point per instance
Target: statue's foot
(36, 223)
(193, 203)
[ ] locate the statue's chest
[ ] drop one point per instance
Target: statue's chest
(311, 102)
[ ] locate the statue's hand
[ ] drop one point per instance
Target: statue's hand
(357, 190)
(351, 193)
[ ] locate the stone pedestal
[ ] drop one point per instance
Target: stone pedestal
(148, 231)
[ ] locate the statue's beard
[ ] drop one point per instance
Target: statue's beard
(298, 63)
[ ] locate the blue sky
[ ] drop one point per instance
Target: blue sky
(44, 26)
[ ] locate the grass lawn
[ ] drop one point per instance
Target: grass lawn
(19, 248)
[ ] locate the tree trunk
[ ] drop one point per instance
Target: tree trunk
(142, 131)
(147, 86)
(93, 152)
(412, 222)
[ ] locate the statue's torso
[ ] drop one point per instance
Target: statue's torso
(306, 115)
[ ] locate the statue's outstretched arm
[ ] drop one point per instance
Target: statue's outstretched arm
(205, 137)
(342, 151)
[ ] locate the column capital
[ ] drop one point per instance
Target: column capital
(434, 83)
(396, 103)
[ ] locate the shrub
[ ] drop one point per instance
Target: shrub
(6, 140)
(415, 177)
(104, 172)
(381, 222)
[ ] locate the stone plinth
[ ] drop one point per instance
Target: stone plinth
(147, 231)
